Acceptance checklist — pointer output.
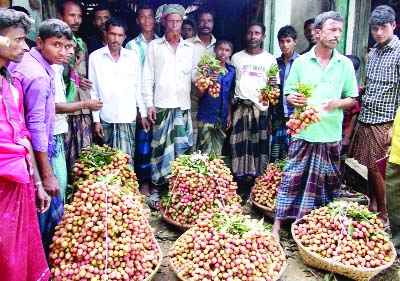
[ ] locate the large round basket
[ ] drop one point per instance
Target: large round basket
(182, 227)
(361, 274)
(160, 258)
(270, 213)
(189, 232)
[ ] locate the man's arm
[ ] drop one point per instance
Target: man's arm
(70, 107)
(148, 83)
(36, 93)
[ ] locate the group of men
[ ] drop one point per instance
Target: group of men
(141, 99)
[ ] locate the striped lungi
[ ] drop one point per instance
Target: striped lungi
(143, 154)
(249, 140)
(311, 178)
(59, 165)
(280, 140)
(120, 135)
(368, 143)
(194, 109)
(172, 137)
(79, 135)
(210, 137)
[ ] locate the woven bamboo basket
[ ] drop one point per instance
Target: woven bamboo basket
(270, 213)
(182, 227)
(189, 232)
(361, 274)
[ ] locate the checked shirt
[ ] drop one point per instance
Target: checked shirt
(382, 96)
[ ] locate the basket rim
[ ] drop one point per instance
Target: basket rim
(338, 264)
(260, 205)
(188, 232)
(181, 226)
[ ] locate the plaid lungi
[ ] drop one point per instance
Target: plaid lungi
(280, 140)
(194, 109)
(59, 165)
(120, 135)
(79, 135)
(368, 143)
(210, 137)
(249, 140)
(311, 178)
(143, 154)
(172, 137)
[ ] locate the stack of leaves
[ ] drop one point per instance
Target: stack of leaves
(227, 246)
(207, 66)
(266, 186)
(98, 161)
(303, 115)
(198, 183)
(347, 233)
(104, 235)
(270, 94)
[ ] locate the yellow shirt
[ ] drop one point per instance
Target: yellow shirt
(395, 150)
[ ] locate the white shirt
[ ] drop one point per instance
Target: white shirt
(251, 75)
(61, 124)
(117, 84)
(169, 74)
(200, 49)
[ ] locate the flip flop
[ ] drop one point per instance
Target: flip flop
(153, 201)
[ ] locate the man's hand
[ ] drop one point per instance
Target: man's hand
(84, 83)
(146, 124)
(98, 130)
(214, 76)
(50, 184)
(330, 105)
(42, 200)
(296, 99)
(272, 81)
(388, 136)
(93, 105)
(151, 114)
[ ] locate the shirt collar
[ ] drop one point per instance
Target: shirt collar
(391, 45)
(106, 51)
(38, 56)
(181, 41)
(141, 37)
(197, 39)
(295, 55)
(311, 54)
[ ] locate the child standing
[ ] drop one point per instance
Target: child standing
(214, 114)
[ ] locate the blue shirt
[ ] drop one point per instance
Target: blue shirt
(283, 109)
(210, 109)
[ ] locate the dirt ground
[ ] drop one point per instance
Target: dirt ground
(295, 271)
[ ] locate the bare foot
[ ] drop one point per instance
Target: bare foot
(276, 235)
(144, 188)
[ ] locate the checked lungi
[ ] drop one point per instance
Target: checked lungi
(172, 137)
(211, 137)
(311, 178)
(249, 140)
(280, 140)
(122, 136)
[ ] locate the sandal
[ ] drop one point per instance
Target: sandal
(153, 201)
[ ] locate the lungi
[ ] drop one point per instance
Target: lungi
(120, 135)
(311, 178)
(79, 135)
(368, 143)
(249, 140)
(279, 140)
(143, 154)
(211, 137)
(172, 137)
(22, 256)
(59, 165)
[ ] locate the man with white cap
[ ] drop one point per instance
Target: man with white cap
(166, 91)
